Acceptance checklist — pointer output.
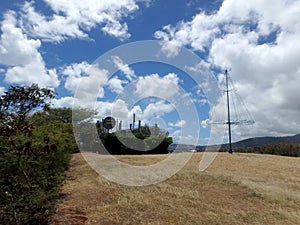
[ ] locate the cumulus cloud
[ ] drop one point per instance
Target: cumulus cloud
(170, 46)
(180, 123)
(72, 19)
(157, 109)
(259, 17)
(115, 85)
(259, 42)
(188, 139)
(64, 102)
(15, 47)
(129, 73)
(85, 80)
(21, 55)
(153, 85)
(35, 72)
(118, 109)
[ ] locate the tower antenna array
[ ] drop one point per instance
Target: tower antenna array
(228, 113)
(234, 119)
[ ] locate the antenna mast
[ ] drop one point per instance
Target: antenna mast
(233, 119)
(228, 113)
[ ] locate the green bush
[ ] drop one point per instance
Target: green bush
(34, 153)
(30, 185)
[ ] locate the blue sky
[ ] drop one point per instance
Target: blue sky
(55, 43)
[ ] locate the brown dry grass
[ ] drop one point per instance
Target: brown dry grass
(235, 189)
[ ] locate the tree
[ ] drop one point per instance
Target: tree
(32, 160)
(17, 103)
(55, 125)
(63, 115)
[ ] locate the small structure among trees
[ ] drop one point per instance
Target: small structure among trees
(140, 140)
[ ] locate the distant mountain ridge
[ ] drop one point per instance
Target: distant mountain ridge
(247, 143)
(260, 141)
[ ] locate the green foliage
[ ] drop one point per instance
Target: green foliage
(17, 103)
(62, 115)
(34, 153)
(283, 149)
(144, 141)
(56, 125)
(29, 185)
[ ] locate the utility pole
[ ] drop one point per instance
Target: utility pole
(228, 112)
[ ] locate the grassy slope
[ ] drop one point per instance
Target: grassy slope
(236, 189)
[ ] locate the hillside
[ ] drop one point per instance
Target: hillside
(247, 143)
(260, 141)
(236, 189)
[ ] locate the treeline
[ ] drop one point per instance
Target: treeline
(283, 149)
(35, 147)
(147, 140)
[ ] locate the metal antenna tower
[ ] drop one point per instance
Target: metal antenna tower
(228, 112)
(241, 112)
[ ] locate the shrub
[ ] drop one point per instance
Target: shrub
(33, 156)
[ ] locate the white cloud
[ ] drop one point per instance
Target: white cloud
(157, 109)
(205, 123)
(170, 46)
(232, 17)
(72, 19)
(35, 72)
(180, 123)
(259, 42)
(115, 85)
(118, 109)
(153, 85)
(15, 47)
(21, 55)
(188, 139)
(64, 102)
(86, 81)
(196, 33)
(129, 73)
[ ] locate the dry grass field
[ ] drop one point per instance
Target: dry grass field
(235, 189)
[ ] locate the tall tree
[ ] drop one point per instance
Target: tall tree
(17, 103)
